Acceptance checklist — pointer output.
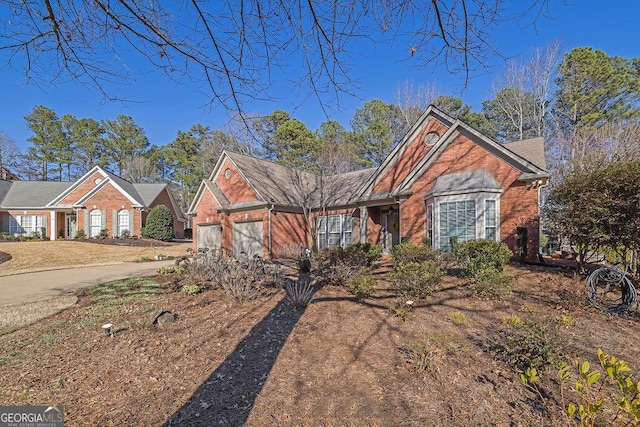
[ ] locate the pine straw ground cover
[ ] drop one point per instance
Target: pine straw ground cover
(338, 362)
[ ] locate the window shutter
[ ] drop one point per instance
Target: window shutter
(103, 218)
(86, 226)
(114, 222)
(45, 224)
(355, 229)
(131, 221)
(6, 218)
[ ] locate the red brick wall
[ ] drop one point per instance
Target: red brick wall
(287, 228)
(205, 214)
(234, 188)
(414, 152)
(518, 205)
(107, 200)
(81, 190)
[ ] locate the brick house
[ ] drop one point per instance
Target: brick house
(443, 179)
(96, 201)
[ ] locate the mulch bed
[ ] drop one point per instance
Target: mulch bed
(338, 362)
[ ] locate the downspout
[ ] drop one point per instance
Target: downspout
(540, 187)
(270, 248)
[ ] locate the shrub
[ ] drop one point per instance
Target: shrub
(104, 233)
(530, 345)
(337, 264)
(125, 234)
(623, 404)
(372, 251)
(491, 283)
(408, 252)
(179, 269)
(476, 255)
(416, 279)
(192, 289)
(362, 285)
(80, 234)
(159, 224)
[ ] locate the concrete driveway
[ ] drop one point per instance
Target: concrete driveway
(30, 287)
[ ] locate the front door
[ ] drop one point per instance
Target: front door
(71, 226)
(390, 231)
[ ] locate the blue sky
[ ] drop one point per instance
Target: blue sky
(163, 107)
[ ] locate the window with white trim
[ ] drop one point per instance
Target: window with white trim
(27, 225)
(430, 222)
(457, 219)
(490, 220)
(334, 230)
(95, 223)
(123, 221)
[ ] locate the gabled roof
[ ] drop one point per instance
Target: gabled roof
(32, 194)
(527, 156)
(529, 169)
(431, 113)
(464, 182)
(147, 193)
(276, 184)
(49, 194)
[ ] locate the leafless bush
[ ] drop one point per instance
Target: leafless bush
(294, 251)
(201, 271)
(241, 280)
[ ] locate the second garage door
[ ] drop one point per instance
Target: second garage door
(247, 239)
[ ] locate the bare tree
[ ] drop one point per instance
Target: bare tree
(9, 156)
(238, 49)
(584, 148)
(413, 99)
(139, 169)
(519, 108)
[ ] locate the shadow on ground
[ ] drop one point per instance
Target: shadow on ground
(228, 395)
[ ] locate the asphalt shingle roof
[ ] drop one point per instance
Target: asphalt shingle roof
(530, 149)
(460, 182)
(32, 194)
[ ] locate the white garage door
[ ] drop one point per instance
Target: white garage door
(209, 236)
(247, 239)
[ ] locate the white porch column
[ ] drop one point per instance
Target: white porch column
(52, 228)
(364, 216)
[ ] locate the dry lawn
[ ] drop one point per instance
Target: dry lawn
(50, 255)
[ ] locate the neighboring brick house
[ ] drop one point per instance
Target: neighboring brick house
(98, 200)
(443, 179)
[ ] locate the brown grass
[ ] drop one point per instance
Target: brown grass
(49, 255)
(15, 316)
